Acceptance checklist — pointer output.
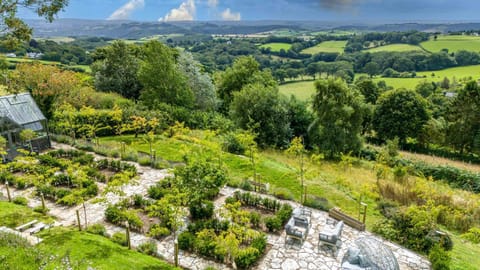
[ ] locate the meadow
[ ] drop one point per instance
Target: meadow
(395, 48)
(302, 90)
(276, 47)
(453, 43)
(327, 46)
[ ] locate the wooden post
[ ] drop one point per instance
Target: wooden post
(175, 246)
(304, 194)
(85, 214)
(123, 148)
(364, 212)
(78, 220)
(129, 244)
(43, 201)
(8, 192)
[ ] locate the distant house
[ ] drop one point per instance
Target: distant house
(11, 55)
(449, 94)
(19, 112)
(34, 55)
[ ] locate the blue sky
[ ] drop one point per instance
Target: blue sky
(325, 10)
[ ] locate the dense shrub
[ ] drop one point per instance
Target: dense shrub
(159, 190)
(232, 144)
(186, 241)
(97, 229)
(439, 258)
(201, 210)
(317, 203)
(273, 224)
(283, 193)
(260, 243)
(473, 235)
(149, 248)
(20, 200)
(158, 232)
(246, 257)
(120, 238)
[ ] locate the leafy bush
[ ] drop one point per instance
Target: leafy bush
(114, 214)
(139, 201)
(232, 144)
(149, 248)
(283, 194)
(145, 161)
(120, 238)
(97, 229)
(205, 242)
(159, 190)
(20, 200)
(439, 258)
(260, 243)
(158, 232)
(246, 257)
(186, 241)
(317, 203)
(273, 224)
(473, 235)
(255, 219)
(284, 213)
(201, 210)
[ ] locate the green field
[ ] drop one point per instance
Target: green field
(451, 73)
(276, 47)
(453, 43)
(59, 39)
(327, 46)
(301, 90)
(395, 48)
(28, 60)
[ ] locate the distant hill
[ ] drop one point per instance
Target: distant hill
(136, 30)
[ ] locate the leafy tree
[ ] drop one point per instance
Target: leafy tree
(464, 115)
(425, 88)
(162, 80)
(116, 68)
(262, 110)
(244, 71)
(339, 110)
(49, 85)
(372, 68)
(199, 82)
(369, 90)
(15, 28)
(3, 147)
(300, 117)
(297, 150)
(400, 113)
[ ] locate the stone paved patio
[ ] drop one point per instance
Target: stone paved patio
(288, 256)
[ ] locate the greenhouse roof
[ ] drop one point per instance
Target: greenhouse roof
(21, 109)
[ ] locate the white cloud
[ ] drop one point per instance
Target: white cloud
(123, 13)
(212, 3)
(185, 12)
(228, 15)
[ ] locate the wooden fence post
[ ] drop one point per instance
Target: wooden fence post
(8, 192)
(78, 220)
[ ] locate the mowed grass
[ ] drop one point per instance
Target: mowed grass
(276, 46)
(13, 215)
(395, 48)
(301, 90)
(453, 43)
(95, 250)
(327, 46)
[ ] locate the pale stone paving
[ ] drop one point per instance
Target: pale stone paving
(290, 256)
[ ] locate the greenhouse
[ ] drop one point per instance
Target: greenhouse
(17, 113)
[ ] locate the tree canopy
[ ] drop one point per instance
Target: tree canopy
(400, 113)
(339, 113)
(15, 29)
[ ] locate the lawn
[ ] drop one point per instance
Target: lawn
(301, 90)
(276, 47)
(13, 215)
(327, 46)
(395, 48)
(453, 43)
(95, 250)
